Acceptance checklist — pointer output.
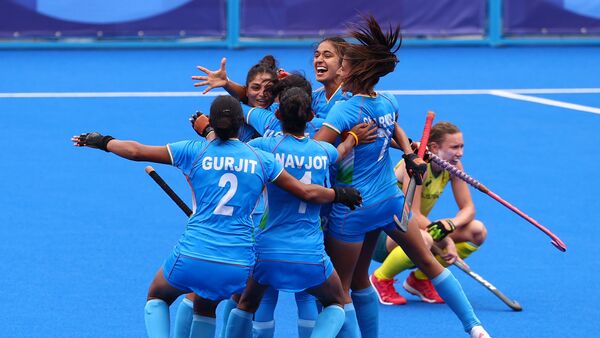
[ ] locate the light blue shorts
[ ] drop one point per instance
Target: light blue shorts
(351, 225)
(291, 276)
(208, 279)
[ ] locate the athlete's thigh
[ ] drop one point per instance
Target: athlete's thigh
(161, 289)
(360, 278)
(344, 257)
(330, 292)
(252, 295)
(205, 307)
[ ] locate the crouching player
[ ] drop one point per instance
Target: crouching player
(458, 237)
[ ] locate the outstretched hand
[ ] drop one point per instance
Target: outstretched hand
(212, 79)
(348, 196)
(92, 140)
(415, 167)
(366, 132)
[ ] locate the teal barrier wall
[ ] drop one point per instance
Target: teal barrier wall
(504, 26)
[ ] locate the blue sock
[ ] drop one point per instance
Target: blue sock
(305, 327)
(329, 322)
(367, 311)
(263, 329)
(350, 328)
(450, 290)
(203, 327)
(183, 319)
(266, 309)
(156, 316)
(307, 313)
(239, 324)
(228, 305)
(264, 325)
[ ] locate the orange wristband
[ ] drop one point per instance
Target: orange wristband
(355, 137)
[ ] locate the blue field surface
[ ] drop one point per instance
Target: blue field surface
(83, 232)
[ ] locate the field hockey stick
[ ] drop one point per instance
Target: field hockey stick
(166, 188)
(470, 180)
(402, 223)
(513, 304)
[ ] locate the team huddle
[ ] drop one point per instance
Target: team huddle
(294, 190)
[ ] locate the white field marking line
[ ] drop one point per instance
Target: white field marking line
(548, 102)
(216, 93)
(104, 94)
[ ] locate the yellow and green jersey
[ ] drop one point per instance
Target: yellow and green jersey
(432, 188)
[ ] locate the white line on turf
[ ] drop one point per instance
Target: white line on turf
(555, 103)
(216, 93)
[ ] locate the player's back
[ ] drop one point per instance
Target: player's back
(227, 178)
(288, 218)
(368, 167)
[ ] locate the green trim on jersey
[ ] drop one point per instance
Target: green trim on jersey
(345, 172)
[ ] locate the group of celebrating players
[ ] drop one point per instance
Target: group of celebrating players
(294, 190)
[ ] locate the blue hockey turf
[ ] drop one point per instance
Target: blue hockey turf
(83, 232)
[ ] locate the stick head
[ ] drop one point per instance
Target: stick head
(559, 245)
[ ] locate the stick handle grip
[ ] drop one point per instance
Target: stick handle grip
(165, 187)
(425, 135)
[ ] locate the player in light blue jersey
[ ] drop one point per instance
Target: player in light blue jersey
(327, 59)
(214, 256)
(265, 120)
(255, 93)
(303, 264)
(352, 235)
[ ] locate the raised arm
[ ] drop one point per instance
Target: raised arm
(218, 79)
(130, 150)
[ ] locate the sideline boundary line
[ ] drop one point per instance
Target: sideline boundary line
(513, 94)
(548, 102)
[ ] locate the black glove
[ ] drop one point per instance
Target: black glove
(414, 170)
(94, 140)
(202, 127)
(438, 230)
(348, 196)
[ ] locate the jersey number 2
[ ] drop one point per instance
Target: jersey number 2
(221, 208)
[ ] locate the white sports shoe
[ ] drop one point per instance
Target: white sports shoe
(479, 332)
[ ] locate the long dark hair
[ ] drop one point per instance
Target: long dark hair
(295, 109)
(373, 57)
(267, 64)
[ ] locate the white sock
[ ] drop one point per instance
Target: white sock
(479, 332)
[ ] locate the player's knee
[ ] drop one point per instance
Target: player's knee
(478, 232)
(248, 305)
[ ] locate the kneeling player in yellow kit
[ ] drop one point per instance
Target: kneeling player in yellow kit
(464, 233)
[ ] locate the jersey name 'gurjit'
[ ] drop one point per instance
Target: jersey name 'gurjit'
(229, 163)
